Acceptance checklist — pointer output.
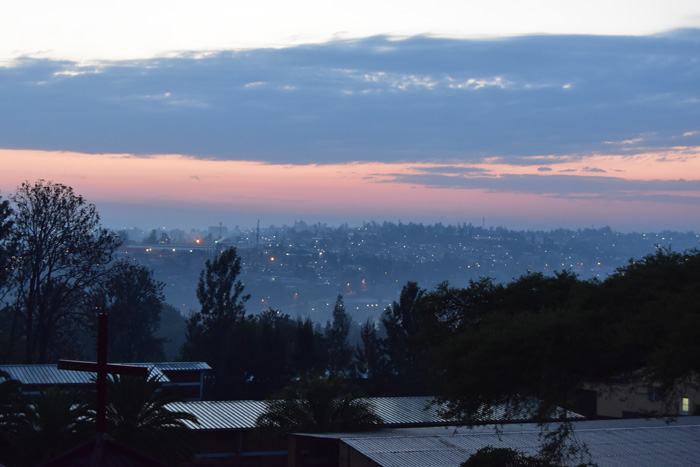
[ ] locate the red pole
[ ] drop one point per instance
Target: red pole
(101, 425)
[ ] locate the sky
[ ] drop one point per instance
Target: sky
(527, 115)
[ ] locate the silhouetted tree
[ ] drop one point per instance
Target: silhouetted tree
(59, 420)
(407, 371)
(220, 333)
(316, 404)
(504, 457)
(6, 245)
(372, 365)
(337, 330)
(134, 300)
(61, 253)
(652, 321)
(308, 349)
(172, 329)
(13, 420)
(137, 416)
(9, 327)
(271, 368)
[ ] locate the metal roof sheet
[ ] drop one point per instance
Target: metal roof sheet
(181, 366)
(405, 410)
(221, 415)
(49, 375)
(636, 442)
(393, 411)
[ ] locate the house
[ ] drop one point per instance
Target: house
(227, 429)
(629, 400)
(610, 443)
(186, 379)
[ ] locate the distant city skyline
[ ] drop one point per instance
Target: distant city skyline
(533, 115)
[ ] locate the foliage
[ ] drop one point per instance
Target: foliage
(13, 410)
(171, 331)
(134, 300)
(537, 342)
(61, 252)
(337, 330)
(137, 416)
(407, 368)
(524, 341)
(270, 352)
(6, 245)
(315, 404)
(372, 363)
(650, 307)
(220, 291)
(220, 333)
(307, 348)
(250, 356)
(504, 457)
(59, 420)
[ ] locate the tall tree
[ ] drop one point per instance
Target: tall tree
(271, 362)
(407, 373)
(8, 321)
(371, 356)
(219, 332)
(62, 251)
(337, 331)
(308, 350)
(6, 244)
(134, 300)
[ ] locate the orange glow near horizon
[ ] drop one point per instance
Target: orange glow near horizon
(340, 189)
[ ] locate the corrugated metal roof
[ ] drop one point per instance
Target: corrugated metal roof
(49, 375)
(181, 366)
(405, 410)
(226, 415)
(393, 411)
(221, 415)
(638, 442)
(46, 375)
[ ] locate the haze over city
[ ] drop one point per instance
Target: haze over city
(530, 115)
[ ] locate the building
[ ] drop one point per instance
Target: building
(610, 443)
(186, 379)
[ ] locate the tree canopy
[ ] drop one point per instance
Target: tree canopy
(60, 252)
(317, 404)
(134, 301)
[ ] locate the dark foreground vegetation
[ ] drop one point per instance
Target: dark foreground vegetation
(537, 343)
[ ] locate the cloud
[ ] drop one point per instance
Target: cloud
(564, 186)
(446, 169)
(544, 169)
(376, 99)
(593, 170)
(627, 141)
